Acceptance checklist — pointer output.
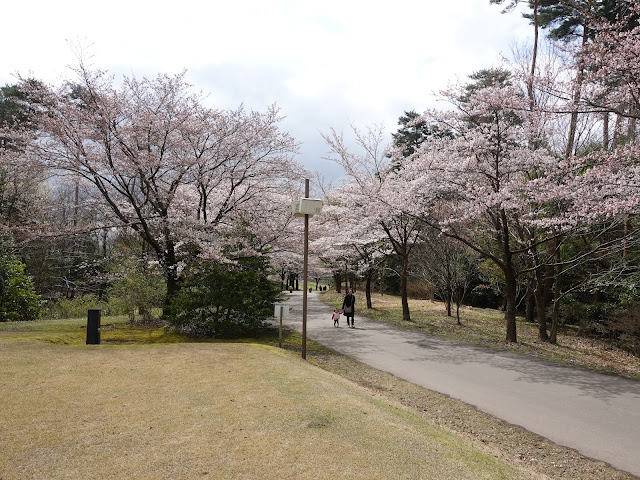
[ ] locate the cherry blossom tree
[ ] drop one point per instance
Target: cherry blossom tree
(472, 187)
(183, 176)
(364, 198)
(613, 67)
(22, 189)
(346, 237)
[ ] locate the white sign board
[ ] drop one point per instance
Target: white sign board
(306, 206)
(281, 308)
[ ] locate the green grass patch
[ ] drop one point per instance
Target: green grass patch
(72, 331)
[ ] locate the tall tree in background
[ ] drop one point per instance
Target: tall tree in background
(533, 4)
(412, 132)
(12, 109)
(576, 22)
(20, 175)
(567, 21)
(612, 64)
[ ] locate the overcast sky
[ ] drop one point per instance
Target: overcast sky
(325, 64)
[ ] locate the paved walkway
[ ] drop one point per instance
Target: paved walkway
(597, 414)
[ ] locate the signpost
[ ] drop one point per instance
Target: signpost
(281, 310)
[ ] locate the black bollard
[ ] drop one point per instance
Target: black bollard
(93, 326)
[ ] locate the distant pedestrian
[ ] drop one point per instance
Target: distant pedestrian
(336, 317)
(348, 307)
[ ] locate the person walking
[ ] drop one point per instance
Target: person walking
(348, 307)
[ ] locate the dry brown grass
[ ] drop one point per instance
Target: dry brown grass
(486, 327)
(199, 410)
(134, 409)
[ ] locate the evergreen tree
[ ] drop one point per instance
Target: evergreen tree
(413, 131)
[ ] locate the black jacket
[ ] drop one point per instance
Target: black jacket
(349, 301)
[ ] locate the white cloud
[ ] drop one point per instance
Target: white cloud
(325, 63)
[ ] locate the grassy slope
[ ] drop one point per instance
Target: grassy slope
(158, 409)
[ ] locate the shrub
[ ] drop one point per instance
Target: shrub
(226, 300)
(625, 326)
(138, 291)
(598, 314)
(485, 296)
(77, 307)
(574, 312)
(18, 299)
(591, 318)
(421, 290)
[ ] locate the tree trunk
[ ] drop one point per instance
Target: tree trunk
(530, 303)
(555, 317)
(617, 129)
(346, 280)
(605, 131)
(368, 289)
(170, 267)
(105, 235)
(406, 316)
(459, 298)
(632, 122)
(577, 93)
(540, 301)
(173, 287)
(549, 273)
(337, 278)
(145, 313)
(555, 321)
(510, 300)
(541, 315)
(534, 55)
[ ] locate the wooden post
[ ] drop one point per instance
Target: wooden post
(280, 331)
(306, 262)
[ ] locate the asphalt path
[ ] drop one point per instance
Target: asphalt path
(596, 414)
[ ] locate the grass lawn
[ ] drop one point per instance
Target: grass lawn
(149, 404)
(487, 327)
